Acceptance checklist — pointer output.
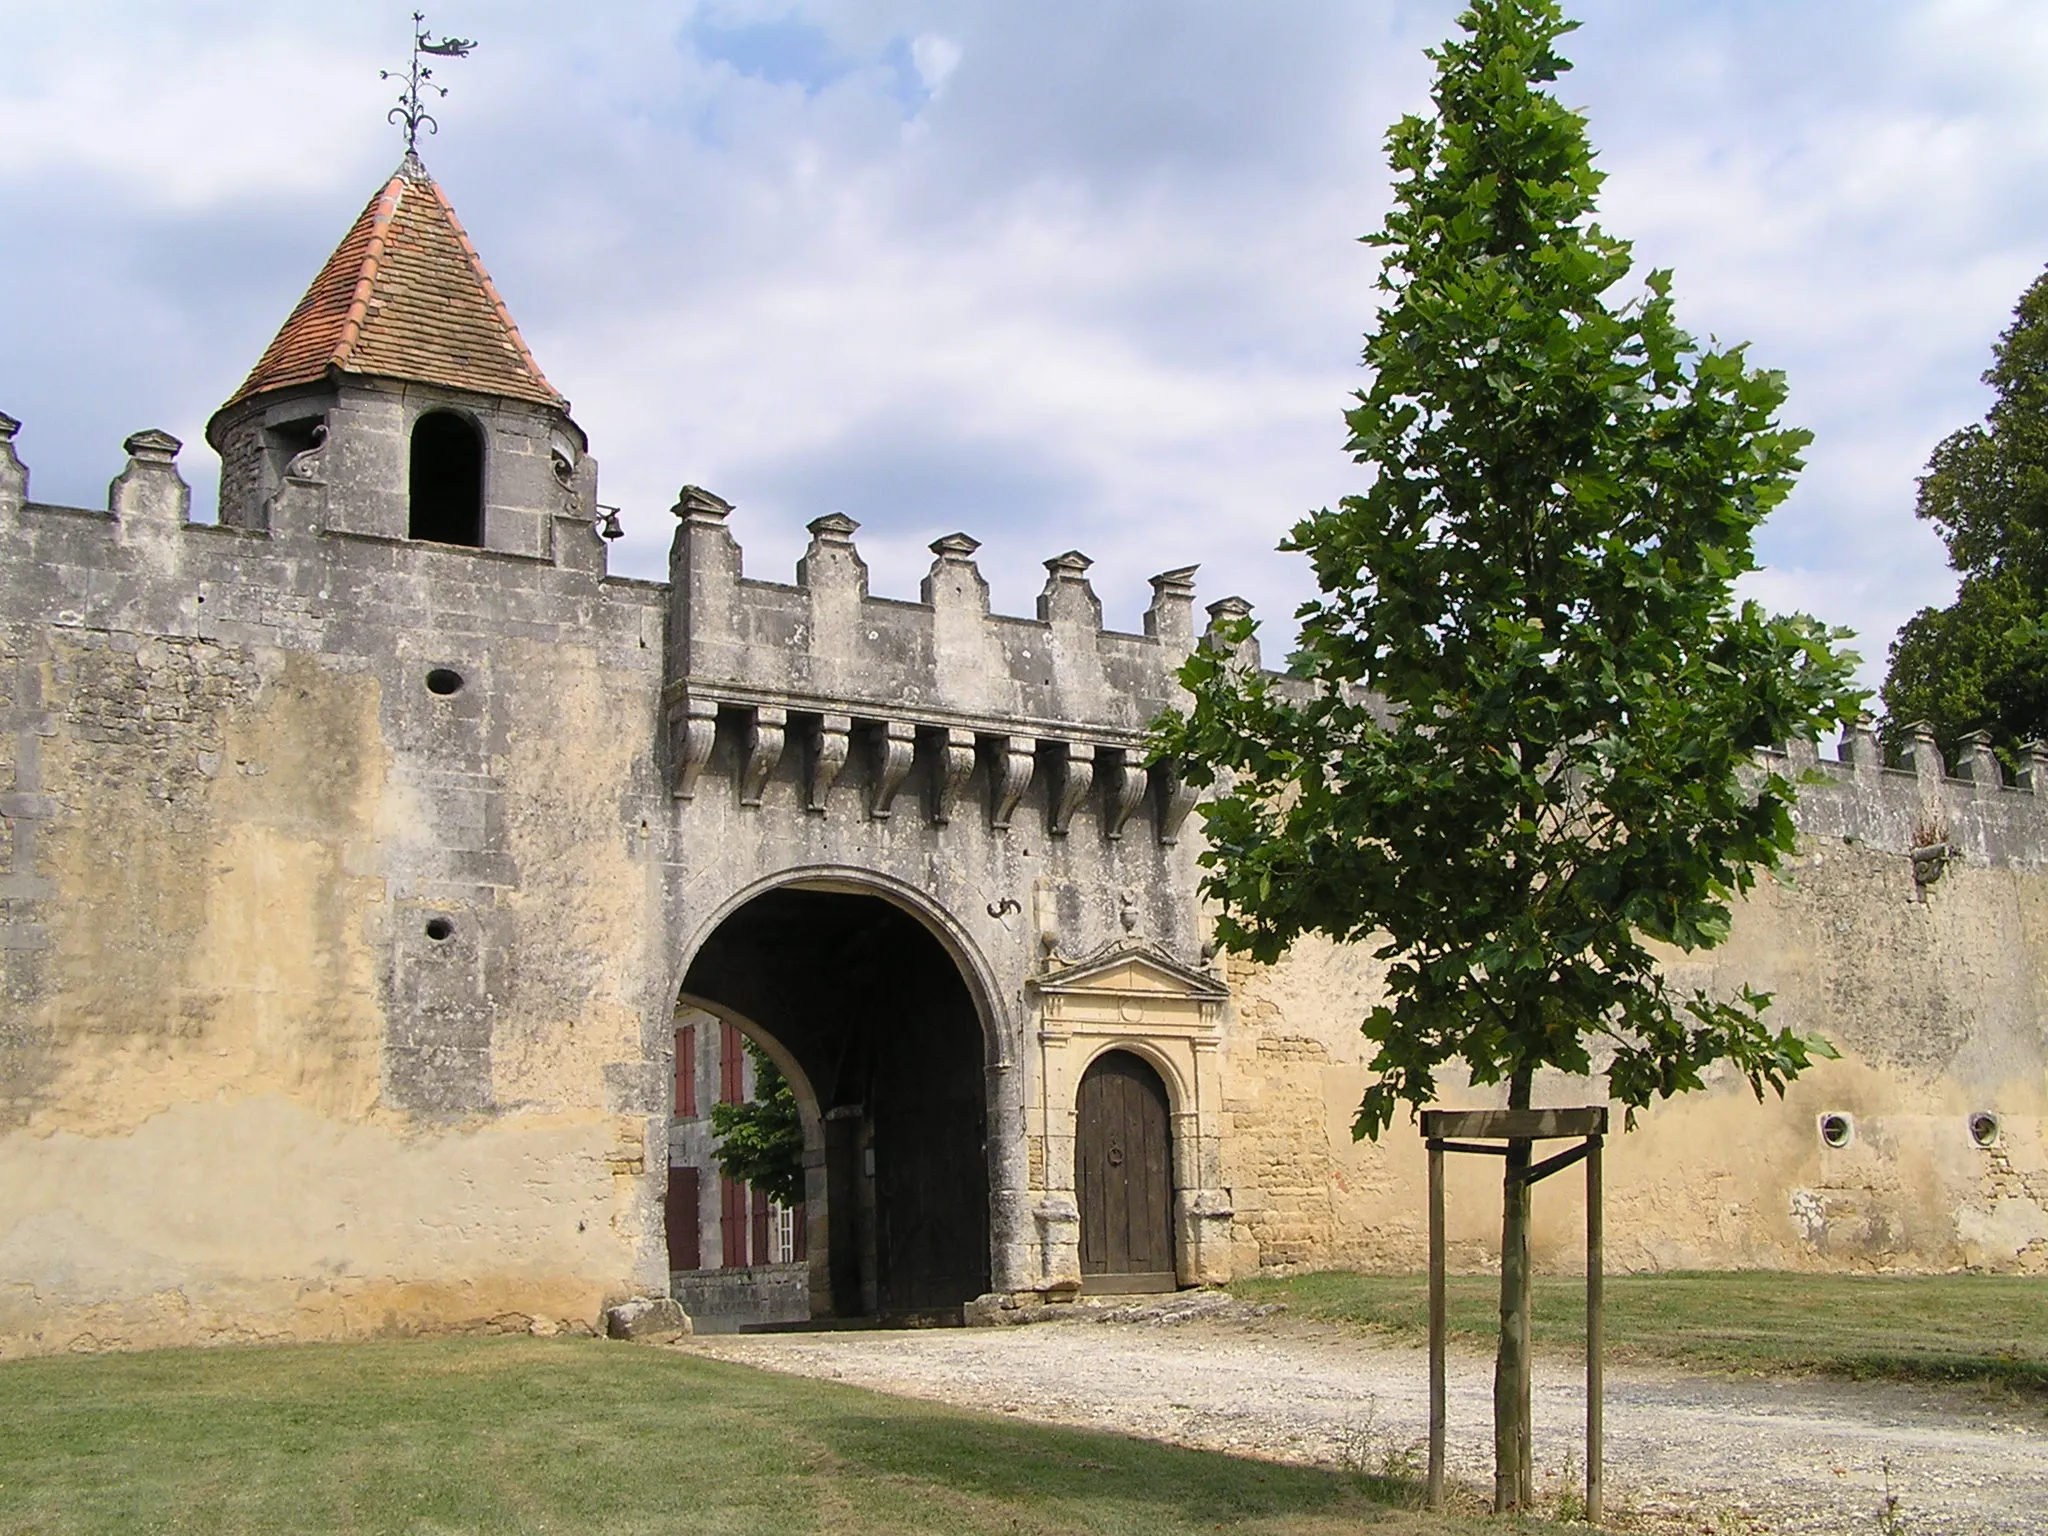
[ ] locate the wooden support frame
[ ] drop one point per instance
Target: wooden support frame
(1473, 1130)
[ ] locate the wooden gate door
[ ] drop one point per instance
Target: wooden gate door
(1123, 1164)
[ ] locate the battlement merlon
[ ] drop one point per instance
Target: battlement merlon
(826, 646)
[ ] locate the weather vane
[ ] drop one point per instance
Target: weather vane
(421, 77)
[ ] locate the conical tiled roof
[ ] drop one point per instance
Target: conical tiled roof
(404, 296)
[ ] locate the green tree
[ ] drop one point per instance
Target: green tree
(1981, 664)
(1517, 749)
(761, 1142)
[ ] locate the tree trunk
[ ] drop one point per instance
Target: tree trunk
(1513, 1463)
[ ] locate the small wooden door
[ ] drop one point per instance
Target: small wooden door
(1123, 1165)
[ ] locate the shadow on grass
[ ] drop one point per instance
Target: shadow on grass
(504, 1435)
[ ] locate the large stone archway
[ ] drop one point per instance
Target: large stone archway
(884, 1028)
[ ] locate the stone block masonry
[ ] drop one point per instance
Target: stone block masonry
(350, 882)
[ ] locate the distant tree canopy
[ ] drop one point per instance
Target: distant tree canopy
(761, 1142)
(1981, 664)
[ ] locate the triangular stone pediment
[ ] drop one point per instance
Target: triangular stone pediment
(1131, 982)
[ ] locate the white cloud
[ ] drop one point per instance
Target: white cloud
(936, 58)
(1066, 274)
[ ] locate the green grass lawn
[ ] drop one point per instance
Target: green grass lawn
(1955, 1328)
(490, 1435)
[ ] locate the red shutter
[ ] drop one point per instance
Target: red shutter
(685, 1230)
(686, 1073)
(732, 1067)
(732, 1224)
(797, 1232)
(762, 1251)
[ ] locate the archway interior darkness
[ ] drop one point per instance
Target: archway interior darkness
(876, 1013)
(1123, 1164)
(445, 488)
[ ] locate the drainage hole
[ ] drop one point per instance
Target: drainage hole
(440, 930)
(1984, 1130)
(444, 682)
(1836, 1130)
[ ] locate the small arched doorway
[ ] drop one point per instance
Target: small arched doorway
(445, 485)
(1123, 1172)
(874, 1012)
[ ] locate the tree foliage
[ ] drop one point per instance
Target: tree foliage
(1982, 662)
(1516, 746)
(761, 1142)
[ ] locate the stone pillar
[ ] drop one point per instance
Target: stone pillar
(704, 579)
(1925, 756)
(835, 581)
(1982, 764)
(1861, 751)
(2034, 767)
(967, 660)
(13, 473)
(150, 498)
(1068, 599)
(1224, 615)
(1171, 618)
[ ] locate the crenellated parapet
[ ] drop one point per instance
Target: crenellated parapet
(304, 479)
(941, 693)
(1922, 805)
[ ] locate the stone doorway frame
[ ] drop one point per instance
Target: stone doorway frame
(1132, 996)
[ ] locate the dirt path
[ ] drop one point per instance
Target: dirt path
(1695, 1453)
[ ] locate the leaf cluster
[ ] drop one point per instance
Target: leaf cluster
(1982, 662)
(1516, 746)
(761, 1142)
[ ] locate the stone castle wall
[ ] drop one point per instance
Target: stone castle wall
(1929, 975)
(347, 885)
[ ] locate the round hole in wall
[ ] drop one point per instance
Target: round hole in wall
(440, 930)
(444, 682)
(1984, 1129)
(1835, 1130)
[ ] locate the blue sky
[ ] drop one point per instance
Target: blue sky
(1061, 275)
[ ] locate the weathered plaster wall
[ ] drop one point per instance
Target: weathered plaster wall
(244, 1093)
(1935, 996)
(332, 1003)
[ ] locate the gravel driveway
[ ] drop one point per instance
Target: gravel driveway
(1712, 1454)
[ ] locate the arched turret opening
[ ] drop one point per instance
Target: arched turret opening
(446, 484)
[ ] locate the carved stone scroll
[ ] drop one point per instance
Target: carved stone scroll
(693, 729)
(1126, 786)
(895, 747)
(952, 767)
(1010, 770)
(764, 750)
(831, 738)
(1176, 799)
(1074, 776)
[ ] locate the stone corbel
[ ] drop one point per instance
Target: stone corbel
(309, 465)
(1176, 798)
(895, 747)
(1127, 783)
(693, 730)
(1010, 769)
(952, 767)
(831, 739)
(1074, 777)
(765, 735)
